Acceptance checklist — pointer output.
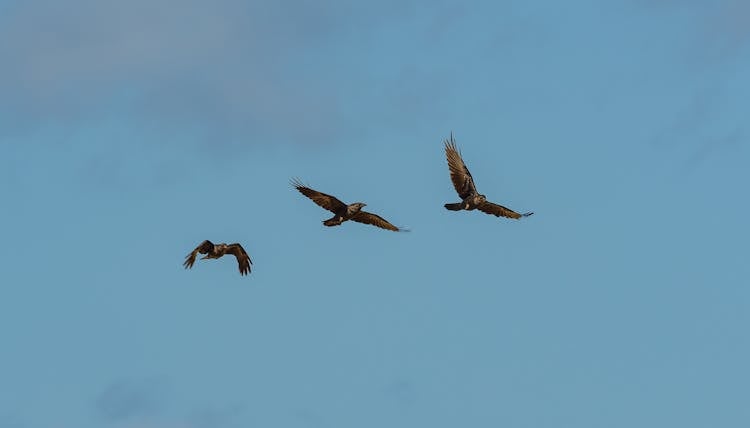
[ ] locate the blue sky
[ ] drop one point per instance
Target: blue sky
(131, 131)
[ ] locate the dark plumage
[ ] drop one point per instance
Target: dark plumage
(214, 251)
(467, 191)
(343, 212)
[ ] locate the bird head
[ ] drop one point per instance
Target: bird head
(358, 205)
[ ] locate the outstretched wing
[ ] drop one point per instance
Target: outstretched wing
(203, 248)
(375, 220)
(243, 260)
(326, 201)
(460, 175)
(499, 210)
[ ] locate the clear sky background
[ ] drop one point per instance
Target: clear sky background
(131, 131)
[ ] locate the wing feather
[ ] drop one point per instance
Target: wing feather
(243, 260)
(203, 248)
(460, 175)
(323, 200)
(499, 210)
(375, 220)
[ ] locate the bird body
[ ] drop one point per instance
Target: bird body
(343, 212)
(463, 182)
(215, 251)
(471, 202)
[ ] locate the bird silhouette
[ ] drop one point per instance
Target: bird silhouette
(215, 251)
(343, 212)
(467, 191)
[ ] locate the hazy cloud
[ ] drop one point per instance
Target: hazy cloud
(718, 144)
(151, 403)
(713, 36)
(402, 392)
(217, 70)
(11, 420)
(131, 399)
(702, 128)
(215, 417)
(686, 124)
(309, 418)
(727, 30)
(717, 30)
(179, 61)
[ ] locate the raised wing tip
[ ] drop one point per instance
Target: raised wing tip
(450, 146)
(189, 260)
(401, 229)
(296, 182)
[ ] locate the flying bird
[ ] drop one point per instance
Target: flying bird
(343, 212)
(467, 191)
(214, 251)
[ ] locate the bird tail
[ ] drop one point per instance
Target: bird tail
(453, 207)
(332, 222)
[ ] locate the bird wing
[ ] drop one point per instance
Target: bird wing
(375, 220)
(460, 175)
(243, 260)
(499, 210)
(203, 248)
(326, 201)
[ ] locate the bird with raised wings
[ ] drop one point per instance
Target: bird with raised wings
(343, 212)
(467, 191)
(215, 251)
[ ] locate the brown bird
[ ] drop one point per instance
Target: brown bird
(343, 212)
(467, 191)
(214, 251)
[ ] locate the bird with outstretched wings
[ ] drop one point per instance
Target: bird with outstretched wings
(463, 182)
(215, 251)
(343, 212)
